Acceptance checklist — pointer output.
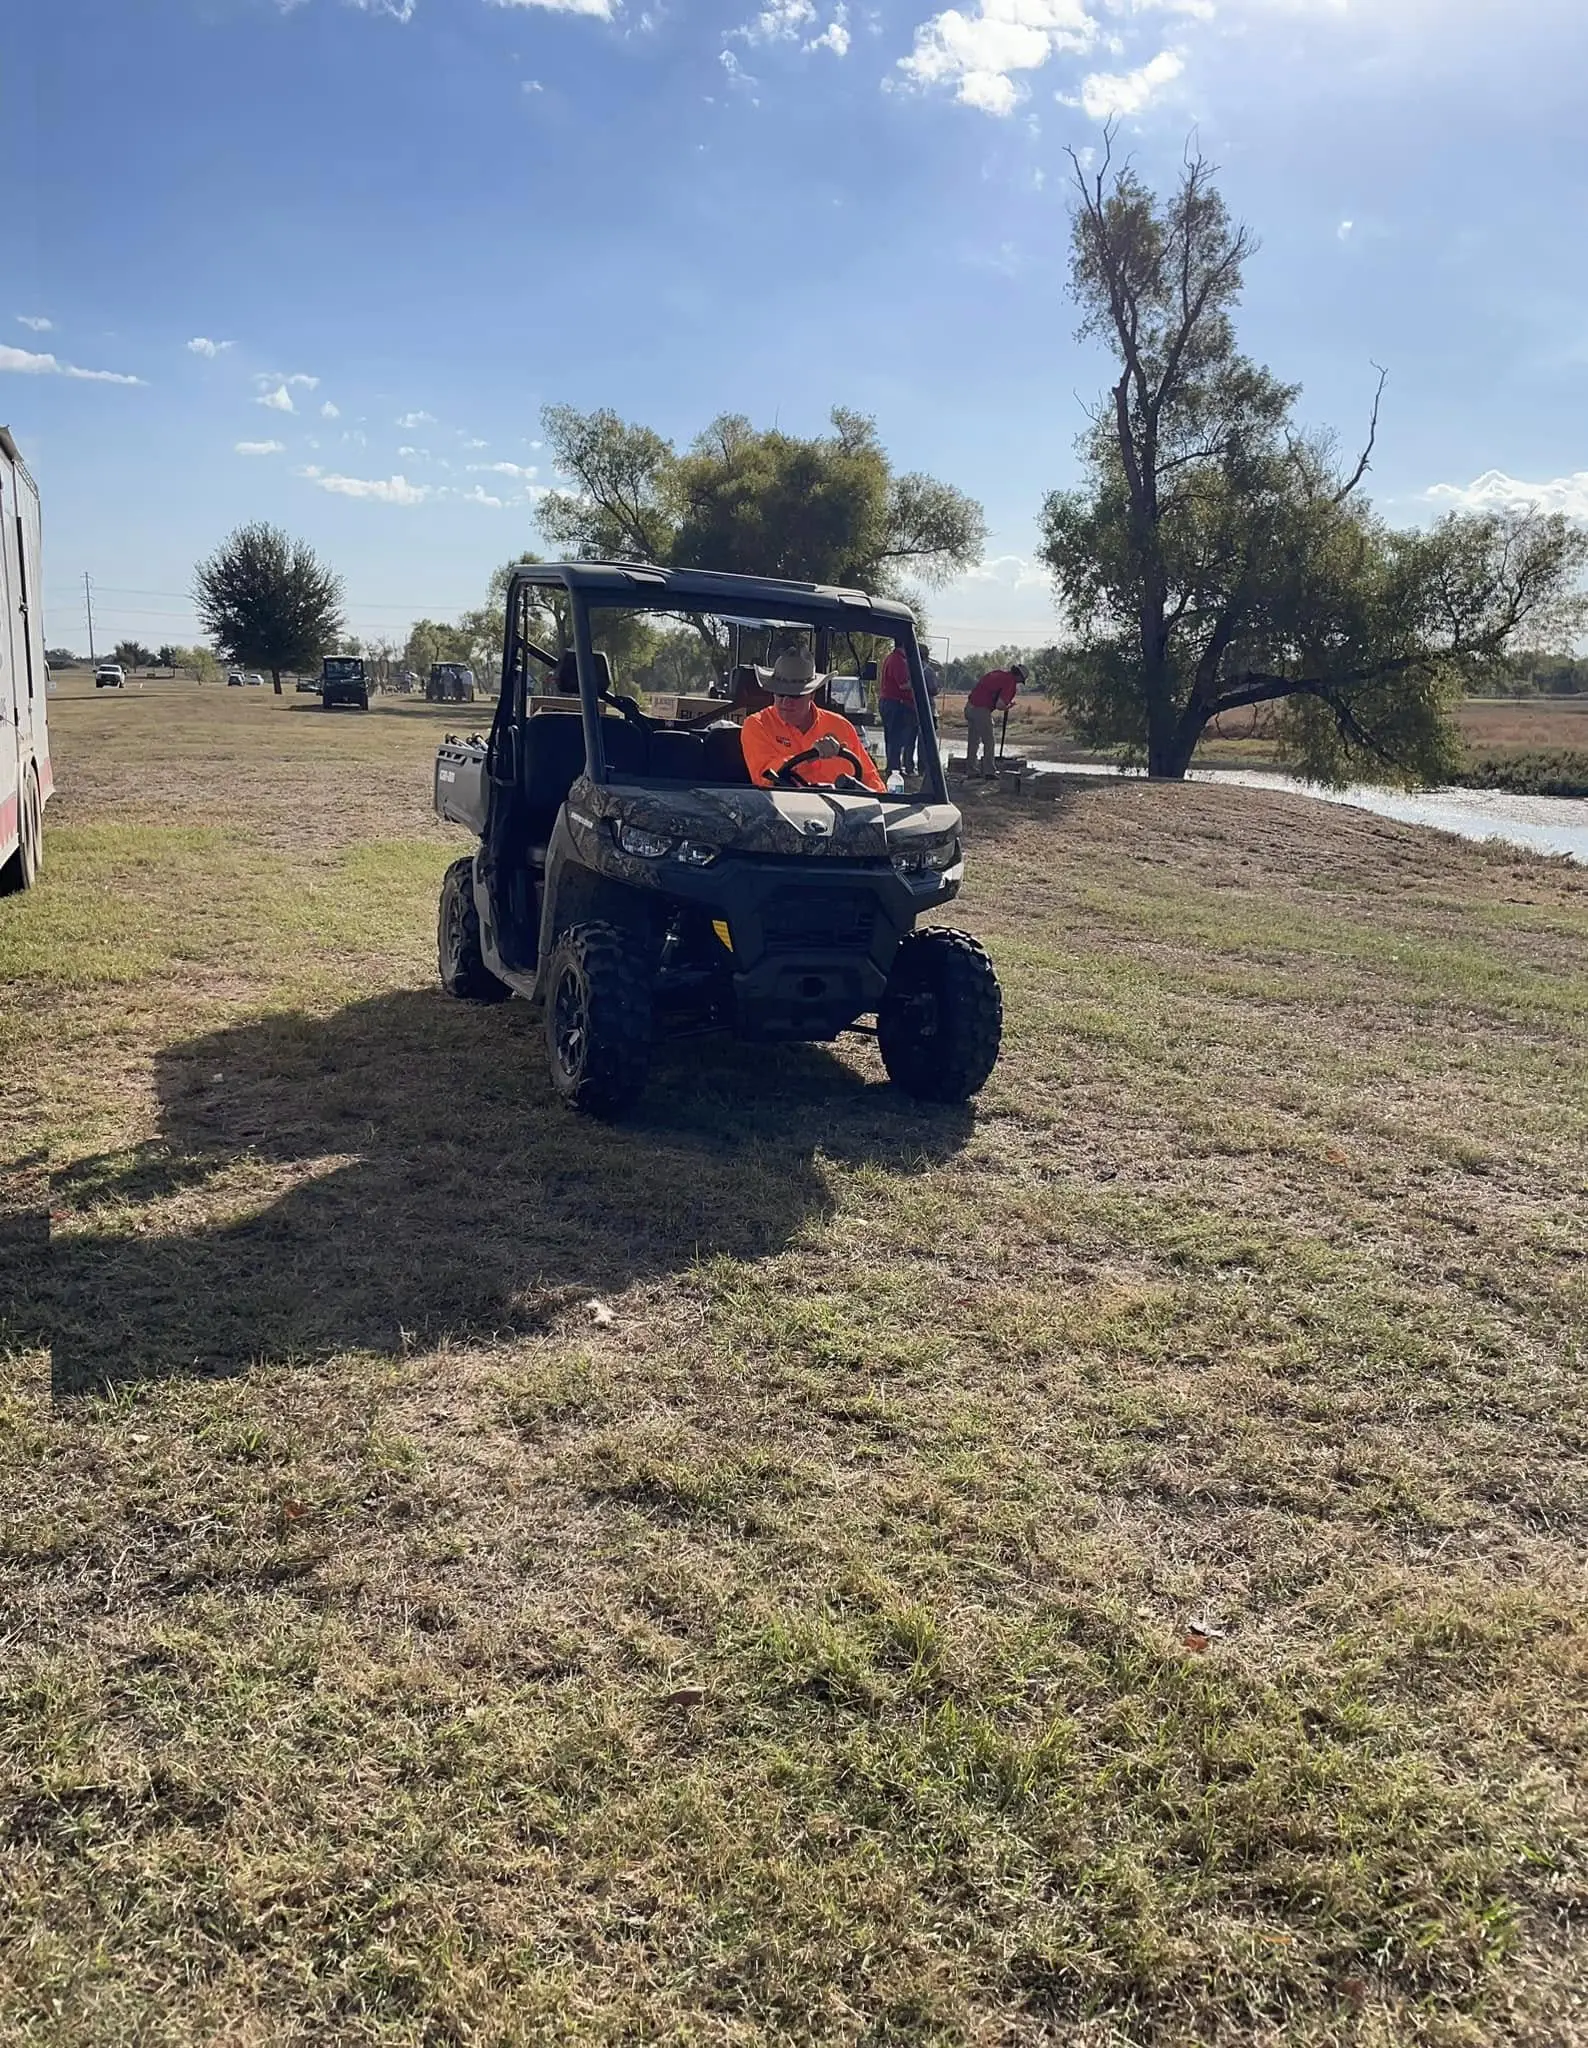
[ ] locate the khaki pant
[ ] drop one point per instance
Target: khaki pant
(979, 726)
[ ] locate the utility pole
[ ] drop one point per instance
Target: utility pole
(88, 600)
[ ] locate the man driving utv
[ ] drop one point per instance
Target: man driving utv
(792, 724)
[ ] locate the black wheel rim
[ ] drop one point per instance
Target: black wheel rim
(570, 1021)
(454, 928)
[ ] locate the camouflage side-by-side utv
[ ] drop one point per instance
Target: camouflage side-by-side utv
(630, 878)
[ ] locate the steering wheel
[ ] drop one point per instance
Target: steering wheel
(781, 777)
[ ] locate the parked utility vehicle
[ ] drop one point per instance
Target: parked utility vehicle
(450, 683)
(342, 682)
(110, 675)
(25, 778)
(630, 878)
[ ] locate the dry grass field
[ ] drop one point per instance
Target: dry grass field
(1101, 1568)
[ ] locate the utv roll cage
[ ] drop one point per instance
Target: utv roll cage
(824, 609)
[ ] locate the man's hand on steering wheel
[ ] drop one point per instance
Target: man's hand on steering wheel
(825, 749)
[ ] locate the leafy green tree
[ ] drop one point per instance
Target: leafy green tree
(1217, 558)
(755, 501)
(62, 657)
(268, 601)
(133, 654)
(199, 660)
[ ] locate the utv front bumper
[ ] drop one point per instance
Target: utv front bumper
(811, 945)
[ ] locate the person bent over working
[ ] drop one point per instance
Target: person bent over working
(792, 724)
(995, 692)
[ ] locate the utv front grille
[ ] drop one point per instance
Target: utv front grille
(818, 920)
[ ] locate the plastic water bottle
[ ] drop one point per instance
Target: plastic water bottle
(895, 783)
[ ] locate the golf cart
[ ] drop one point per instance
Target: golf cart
(342, 682)
(630, 878)
(450, 683)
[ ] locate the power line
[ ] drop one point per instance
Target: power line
(352, 603)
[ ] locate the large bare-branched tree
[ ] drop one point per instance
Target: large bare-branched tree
(1218, 558)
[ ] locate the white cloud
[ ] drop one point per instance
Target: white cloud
(1012, 572)
(25, 364)
(530, 85)
(279, 400)
(416, 419)
(1494, 491)
(977, 54)
(476, 444)
(328, 411)
(835, 36)
(261, 447)
(36, 321)
(422, 453)
(1110, 95)
(307, 383)
(392, 490)
(737, 75)
(398, 10)
(480, 496)
(1199, 10)
(201, 345)
(1343, 232)
(780, 21)
(599, 10)
(498, 469)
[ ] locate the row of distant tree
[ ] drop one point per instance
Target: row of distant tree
(1541, 675)
(132, 654)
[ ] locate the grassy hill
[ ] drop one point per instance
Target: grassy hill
(1103, 1567)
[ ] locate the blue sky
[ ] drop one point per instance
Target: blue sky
(324, 262)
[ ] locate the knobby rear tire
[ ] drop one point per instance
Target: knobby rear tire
(598, 1020)
(459, 956)
(940, 1022)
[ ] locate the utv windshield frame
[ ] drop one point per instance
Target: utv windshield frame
(622, 586)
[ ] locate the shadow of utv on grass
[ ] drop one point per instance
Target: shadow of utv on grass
(400, 1171)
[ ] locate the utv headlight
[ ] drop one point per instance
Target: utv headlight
(690, 853)
(648, 845)
(927, 856)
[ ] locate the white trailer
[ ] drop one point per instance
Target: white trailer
(25, 777)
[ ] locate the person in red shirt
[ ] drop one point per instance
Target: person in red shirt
(791, 724)
(901, 724)
(995, 692)
(896, 703)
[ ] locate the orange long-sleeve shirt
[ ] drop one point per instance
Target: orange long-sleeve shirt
(769, 740)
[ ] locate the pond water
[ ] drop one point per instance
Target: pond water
(1543, 824)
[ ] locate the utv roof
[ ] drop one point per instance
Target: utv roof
(638, 583)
